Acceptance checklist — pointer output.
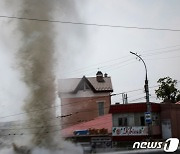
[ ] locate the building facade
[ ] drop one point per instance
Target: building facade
(170, 123)
(126, 124)
(129, 124)
(83, 99)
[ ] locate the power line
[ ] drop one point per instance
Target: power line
(116, 67)
(132, 96)
(91, 24)
(119, 66)
(81, 70)
(68, 115)
(136, 90)
(164, 58)
(161, 52)
(52, 107)
(85, 68)
(88, 110)
(43, 126)
(167, 47)
(137, 99)
(81, 111)
(47, 132)
(74, 103)
(77, 112)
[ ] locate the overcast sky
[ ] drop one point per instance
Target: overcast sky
(81, 49)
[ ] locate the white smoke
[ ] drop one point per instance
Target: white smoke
(69, 148)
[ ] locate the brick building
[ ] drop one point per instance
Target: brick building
(83, 99)
(128, 121)
(126, 124)
(170, 115)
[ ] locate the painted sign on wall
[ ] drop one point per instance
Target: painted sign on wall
(91, 131)
(129, 131)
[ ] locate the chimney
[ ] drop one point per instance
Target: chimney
(105, 75)
(99, 76)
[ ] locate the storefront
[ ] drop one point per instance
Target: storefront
(97, 132)
(129, 122)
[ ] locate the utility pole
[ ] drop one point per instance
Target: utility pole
(124, 98)
(146, 88)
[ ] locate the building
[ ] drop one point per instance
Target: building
(83, 99)
(126, 124)
(97, 131)
(129, 124)
(170, 115)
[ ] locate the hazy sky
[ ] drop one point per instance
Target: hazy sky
(81, 50)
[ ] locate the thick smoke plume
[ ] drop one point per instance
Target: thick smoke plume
(36, 57)
(36, 60)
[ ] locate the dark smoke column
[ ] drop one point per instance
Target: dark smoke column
(36, 57)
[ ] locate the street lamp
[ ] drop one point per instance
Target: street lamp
(146, 87)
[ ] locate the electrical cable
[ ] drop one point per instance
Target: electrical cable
(106, 66)
(52, 107)
(48, 132)
(43, 126)
(167, 47)
(85, 68)
(75, 102)
(161, 52)
(164, 58)
(137, 99)
(66, 123)
(132, 61)
(73, 113)
(90, 24)
(118, 67)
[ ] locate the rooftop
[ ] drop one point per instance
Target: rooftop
(133, 107)
(70, 85)
(98, 123)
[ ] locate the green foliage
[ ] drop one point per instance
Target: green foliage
(167, 90)
(178, 97)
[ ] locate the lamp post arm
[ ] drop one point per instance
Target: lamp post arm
(142, 61)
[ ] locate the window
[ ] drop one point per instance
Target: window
(101, 108)
(155, 120)
(142, 121)
(84, 86)
(122, 121)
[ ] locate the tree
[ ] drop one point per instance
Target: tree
(167, 90)
(178, 97)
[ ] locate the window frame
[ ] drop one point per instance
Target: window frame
(103, 108)
(124, 121)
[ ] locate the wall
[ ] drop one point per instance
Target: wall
(83, 93)
(82, 108)
(134, 118)
(171, 112)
